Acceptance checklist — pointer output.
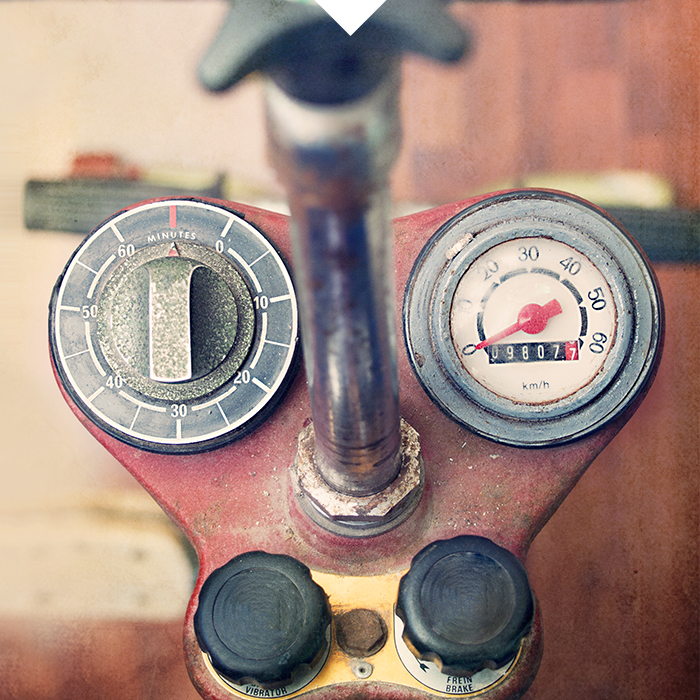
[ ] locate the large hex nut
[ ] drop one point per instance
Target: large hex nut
(359, 515)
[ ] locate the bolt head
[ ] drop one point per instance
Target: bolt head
(360, 632)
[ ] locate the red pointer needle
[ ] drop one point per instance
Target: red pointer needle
(532, 318)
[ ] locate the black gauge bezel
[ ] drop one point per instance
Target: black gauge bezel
(227, 434)
(528, 214)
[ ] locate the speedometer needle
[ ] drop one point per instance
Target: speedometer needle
(532, 318)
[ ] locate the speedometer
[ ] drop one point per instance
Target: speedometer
(533, 318)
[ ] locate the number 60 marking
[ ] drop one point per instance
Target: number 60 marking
(598, 341)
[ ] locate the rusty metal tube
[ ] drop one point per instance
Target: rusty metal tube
(334, 162)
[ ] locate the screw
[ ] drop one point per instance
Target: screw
(361, 669)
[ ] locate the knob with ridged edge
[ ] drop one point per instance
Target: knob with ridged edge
(263, 620)
(466, 605)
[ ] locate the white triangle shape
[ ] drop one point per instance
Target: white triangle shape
(350, 14)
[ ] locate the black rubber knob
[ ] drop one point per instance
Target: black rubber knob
(262, 618)
(466, 604)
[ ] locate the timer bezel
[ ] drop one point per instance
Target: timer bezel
(243, 419)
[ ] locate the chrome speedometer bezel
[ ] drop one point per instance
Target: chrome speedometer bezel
(528, 214)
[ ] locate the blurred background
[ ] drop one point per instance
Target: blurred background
(599, 98)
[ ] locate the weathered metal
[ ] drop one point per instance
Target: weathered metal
(240, 498)
(360, 632)
(358, 516)
(334, 163)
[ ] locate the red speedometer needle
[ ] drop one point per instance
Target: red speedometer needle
(532, 318)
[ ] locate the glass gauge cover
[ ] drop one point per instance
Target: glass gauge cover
(533, 318)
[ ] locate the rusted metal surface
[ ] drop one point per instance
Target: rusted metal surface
(359, 515)
(334, 163)
(239, 498)
(360, 632)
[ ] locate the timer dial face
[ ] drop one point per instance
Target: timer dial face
(533, 319)
(174, 326)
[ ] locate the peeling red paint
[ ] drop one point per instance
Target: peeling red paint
(239, 498)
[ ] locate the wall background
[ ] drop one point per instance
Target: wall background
(558, 87)
(579, 87)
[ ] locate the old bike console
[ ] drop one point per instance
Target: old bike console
(362, 523)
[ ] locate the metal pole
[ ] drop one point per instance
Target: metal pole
(334, 162)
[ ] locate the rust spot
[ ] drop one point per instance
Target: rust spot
(361, 632)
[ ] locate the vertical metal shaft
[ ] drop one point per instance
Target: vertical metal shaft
(334, 162)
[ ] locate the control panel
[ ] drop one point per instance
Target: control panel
(361, 526)
(200, 403)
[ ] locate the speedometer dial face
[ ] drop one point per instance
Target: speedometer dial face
(533, 319)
